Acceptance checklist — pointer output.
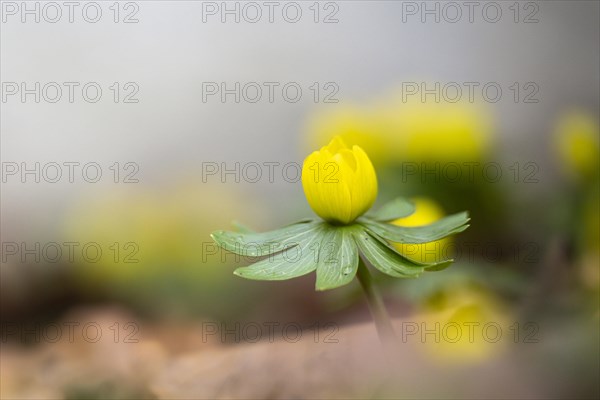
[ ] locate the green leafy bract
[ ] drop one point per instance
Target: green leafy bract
(418, 234)
(333, 251)
(397, 208)
(291, 262)
(265, 243)
(338, 259)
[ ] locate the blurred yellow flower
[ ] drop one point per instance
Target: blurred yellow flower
(354, 124)
(471, 323)
(577, 143)
(340, 183)
(440, 132)
(426, 212)
(396, 130)
(146, 233)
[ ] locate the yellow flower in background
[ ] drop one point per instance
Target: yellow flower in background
(577, 144)
(472, 325)
(339, 182)
(396, 130)
(149, 246)
(426, 212)
(440, 132)
(353, 123)
(151, 233)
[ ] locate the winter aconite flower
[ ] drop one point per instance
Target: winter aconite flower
(339, 182)
(426, 212)
(340, 186)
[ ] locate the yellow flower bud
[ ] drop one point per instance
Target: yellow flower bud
(340, 183)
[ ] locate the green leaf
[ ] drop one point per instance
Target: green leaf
(384, 258)
(397, 208)
(429, 266)
(294, 261)
(338, 259)
(440, 267)
(264, 243)
(418, 234)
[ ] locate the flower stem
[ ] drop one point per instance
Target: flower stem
(378, 310)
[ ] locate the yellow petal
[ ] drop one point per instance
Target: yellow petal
(340, 184)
